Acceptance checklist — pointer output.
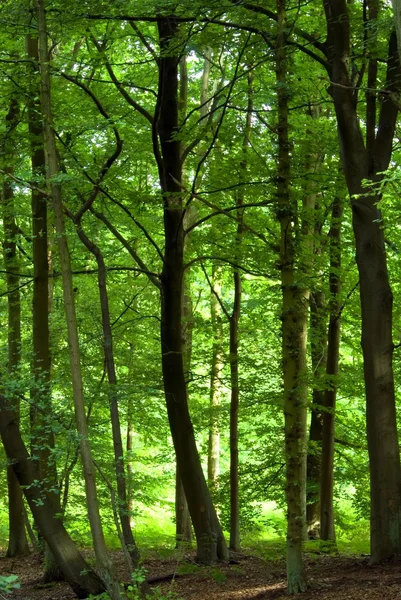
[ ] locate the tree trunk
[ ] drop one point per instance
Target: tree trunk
(213, 459)
(130, 447)
(103, 561)
(319, 360)
(294, 333)
(361, 164)
(210, 540)
(234, 320)
(17, 541)
(77, 572)
(183, 531)
(113, 399)
(327, 532)
(41, 407)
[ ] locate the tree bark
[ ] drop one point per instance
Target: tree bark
(41, 406)
(77, 572)
(294, 333)
(210, 540)
(99, 545)
(375, 291)
(234, 321)
(17, 541)
(319, 359)
(213, 460)
(113, 398)
(327, 532)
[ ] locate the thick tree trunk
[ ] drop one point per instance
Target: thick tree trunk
(213, 458)
(210, 540)
(17, 541)
(183, 531)
(103, 562)
(327, 532)
(319, 359)
(294, 333)
(362, 164)
(77, 572)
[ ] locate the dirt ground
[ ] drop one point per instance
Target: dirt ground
(329, 578)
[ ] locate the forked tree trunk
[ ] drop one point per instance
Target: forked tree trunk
(327, 531)
(83, 580)
(360, 164)
(210, 540)
(17, 541)
(103, 562)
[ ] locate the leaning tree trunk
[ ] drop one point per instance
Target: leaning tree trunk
(210, 540)
(360, 164)
(103, 562)
(17, 541)
(113, 399)
(83, 580)
(327, 532)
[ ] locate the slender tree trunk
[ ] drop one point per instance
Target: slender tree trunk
(210, 540)
(113, 399)
(103, 561)
(130, 449)
(183, 532)
(234, 320)
(17, 541)
(319, 360)
(83, 580)
(360, 164)
(213, 461)
(183, 519)
(41, 407)
(327, 532)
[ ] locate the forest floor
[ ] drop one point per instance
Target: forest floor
(329, 578)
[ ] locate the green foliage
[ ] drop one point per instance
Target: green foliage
(9, 583)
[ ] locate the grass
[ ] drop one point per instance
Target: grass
(155, 534)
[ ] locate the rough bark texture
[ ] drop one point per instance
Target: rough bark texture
(375, 292)
(210, 540)
(327, 532)
(294, 334)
